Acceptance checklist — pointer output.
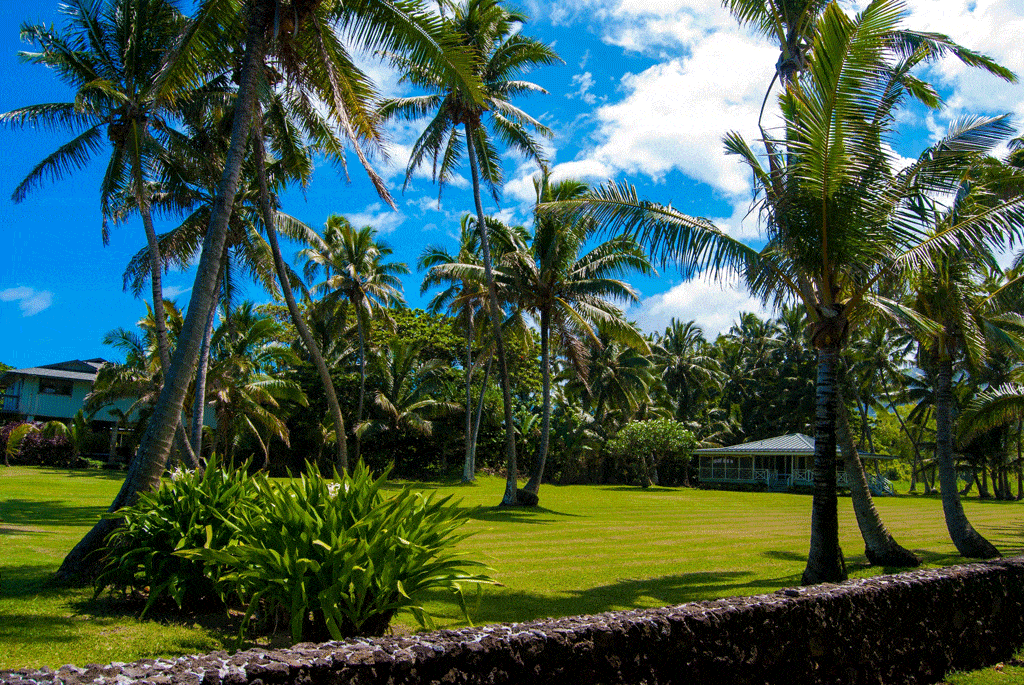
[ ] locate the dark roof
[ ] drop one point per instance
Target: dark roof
(74, 369)
(795, 444)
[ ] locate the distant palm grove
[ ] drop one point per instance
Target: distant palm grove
(896, 329)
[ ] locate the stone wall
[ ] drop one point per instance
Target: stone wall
(907, 628)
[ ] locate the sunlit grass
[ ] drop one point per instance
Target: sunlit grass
(586, 549)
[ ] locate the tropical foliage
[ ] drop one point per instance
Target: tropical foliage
(893, 321)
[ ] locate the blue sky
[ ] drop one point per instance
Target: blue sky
(646, 93)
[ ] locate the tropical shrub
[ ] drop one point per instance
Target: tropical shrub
(659, 450)
(190, 509)
(339, 557)
(30, 444)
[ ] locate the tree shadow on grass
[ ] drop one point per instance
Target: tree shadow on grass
(508, 605)
(531, 515)
(30, 512)
(27, 580)
(92, 474)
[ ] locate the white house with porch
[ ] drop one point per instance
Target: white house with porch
(779, 463)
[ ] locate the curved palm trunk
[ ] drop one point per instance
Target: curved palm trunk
(293, 308)
(545, 423)
(879, 546)
(825, 559)
(968, 541)
(155, 447)
(468, 472)
(512, 476)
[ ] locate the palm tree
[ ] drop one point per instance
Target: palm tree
(617, 382)
(405, 399)
(314, 62)
(689, 370)
(464, 296)
(490, 32)
(568, 294)
(190, 170)
(110, 53)
(951, 299)
(245, 387)
(352, 261)
(834, 212)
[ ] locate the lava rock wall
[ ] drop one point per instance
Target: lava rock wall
(906, 628)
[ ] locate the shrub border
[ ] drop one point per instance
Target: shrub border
(906, 628)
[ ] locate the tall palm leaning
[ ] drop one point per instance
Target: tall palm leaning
(352, 261)
(300, 42)
(833, 210)
(569, 294)
(490, 32)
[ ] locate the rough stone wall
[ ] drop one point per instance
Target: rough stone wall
(906, 628)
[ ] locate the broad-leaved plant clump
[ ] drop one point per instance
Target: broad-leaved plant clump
(339, 557)
(190, 509)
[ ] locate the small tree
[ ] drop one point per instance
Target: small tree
(655, 442)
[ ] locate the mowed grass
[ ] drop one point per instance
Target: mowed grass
(586, 549)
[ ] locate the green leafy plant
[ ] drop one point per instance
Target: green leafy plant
(191, 509)
(663, 445)
(339, 557)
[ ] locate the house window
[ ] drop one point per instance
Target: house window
(55, 386)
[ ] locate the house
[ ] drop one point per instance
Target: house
(53, 391)
(779, 463)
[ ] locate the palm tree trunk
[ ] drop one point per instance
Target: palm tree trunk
(155, 447)
(545, 423)
(468, 472)
(825, 562)
(879, 546)
(293, 308)
(1020, 464)
(199, 399)
(362, 374)
(968, 541)
(480, 410)
(494, 307)
(181, 443)
(913, 443)
(112, 455)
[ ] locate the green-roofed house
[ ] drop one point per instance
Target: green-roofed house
(779, 463)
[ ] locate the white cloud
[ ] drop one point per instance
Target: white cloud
(583, 82)
(993, 27)
(384, 219)
(675, 114)
(714, 305)
(173, 291)
(30, 301)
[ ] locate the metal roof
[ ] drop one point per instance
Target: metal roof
(793, 444)
(73, 370)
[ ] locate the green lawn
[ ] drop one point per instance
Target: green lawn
(587, 549)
